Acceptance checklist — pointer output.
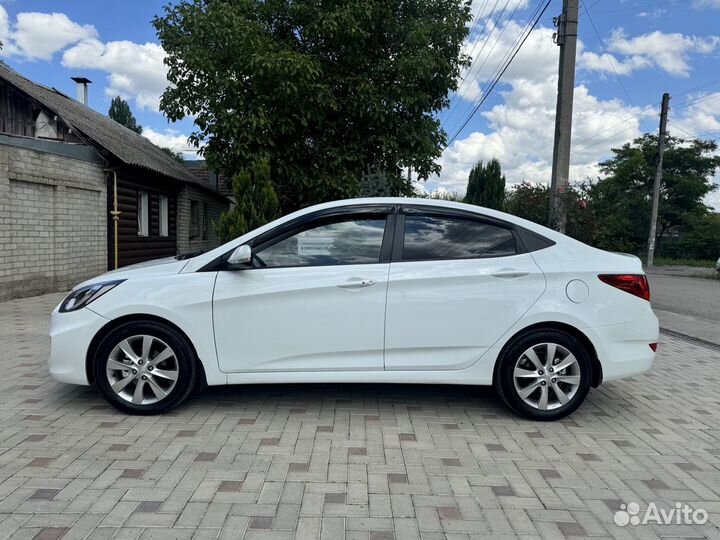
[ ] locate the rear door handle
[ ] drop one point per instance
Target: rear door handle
(357, 283)
(509, 273)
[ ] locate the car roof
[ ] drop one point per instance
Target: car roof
(200, 261)
(438, 203)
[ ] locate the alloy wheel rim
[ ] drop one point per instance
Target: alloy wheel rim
(546, 376)
(142, 369)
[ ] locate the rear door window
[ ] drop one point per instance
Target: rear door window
(431, 237)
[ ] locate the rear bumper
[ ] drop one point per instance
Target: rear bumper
(70, 337)
(624, 349)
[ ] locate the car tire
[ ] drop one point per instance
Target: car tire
(145, 367)
(544, 374)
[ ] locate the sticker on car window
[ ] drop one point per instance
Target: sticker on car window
(314, 246)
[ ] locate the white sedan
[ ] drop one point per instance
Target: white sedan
(380, 290)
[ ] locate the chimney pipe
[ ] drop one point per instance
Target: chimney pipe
(82, 89)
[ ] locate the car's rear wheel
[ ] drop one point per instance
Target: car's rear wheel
(145, 367)
(544, 375)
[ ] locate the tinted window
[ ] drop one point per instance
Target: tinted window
(353, 241)
(429, 238)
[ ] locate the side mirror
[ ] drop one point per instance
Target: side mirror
(242, 256)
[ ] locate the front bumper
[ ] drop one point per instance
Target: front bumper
(70, 337)
(624, 349)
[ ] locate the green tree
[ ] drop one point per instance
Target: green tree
(177, 156)
(532, 202)
(323, 89)
(121, 113)
(256, 202)
(374, 184)
(622, 199)
(529, 201)
(486, 185)
(444, 195)
(699, 240)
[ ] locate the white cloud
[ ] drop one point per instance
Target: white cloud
(521, 128)
(606, 62)
(482, 9)
(538, 58)
(713, 4)
(38, 36)
(536, 61)
(172, 139)
(135, 71)
(521, 133)
(4, 29)
(669, 52)
(713, 199)
(4, 24)
(701, 118)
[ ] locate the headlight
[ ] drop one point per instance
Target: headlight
(84, 295)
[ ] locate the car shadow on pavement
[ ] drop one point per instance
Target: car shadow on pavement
(378, 403)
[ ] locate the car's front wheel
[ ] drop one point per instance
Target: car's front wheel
(145, 367)
(544, 375)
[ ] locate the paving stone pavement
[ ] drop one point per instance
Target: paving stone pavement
(371, 462)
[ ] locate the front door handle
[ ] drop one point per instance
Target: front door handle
(509, 273)
(357, 283)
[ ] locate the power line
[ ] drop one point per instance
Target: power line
(697, 100)
(459, 96)
(477, 74)
(675, 125)
(612, 64)
(583, 146)
(502, 31)
(499, 76)
(699, 133)
(488, 34)
(637, 7)
(477, 17)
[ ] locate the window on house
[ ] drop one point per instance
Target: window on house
(143, 213)
(46, 126)
(194, 219)
(205, 222)
(164, 216)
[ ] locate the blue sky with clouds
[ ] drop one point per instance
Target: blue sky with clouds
(644, 48)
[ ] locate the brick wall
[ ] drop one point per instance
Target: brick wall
(216, 206)
(53, 223)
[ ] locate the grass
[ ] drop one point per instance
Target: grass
(697, 263)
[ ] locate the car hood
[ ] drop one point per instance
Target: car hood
(166, 265)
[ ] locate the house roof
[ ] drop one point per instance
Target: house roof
(123, 143)
(200, 169)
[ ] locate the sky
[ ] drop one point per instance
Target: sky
(629, 53)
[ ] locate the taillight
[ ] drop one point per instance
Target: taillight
(653, 346)
(636, 284)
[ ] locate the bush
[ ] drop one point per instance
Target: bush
(256, 203)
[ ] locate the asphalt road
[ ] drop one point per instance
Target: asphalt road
(688, 305)
(696, 297)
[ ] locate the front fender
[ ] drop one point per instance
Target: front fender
(185, 300)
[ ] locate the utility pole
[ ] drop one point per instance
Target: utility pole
(658, 179)
(566, 39)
